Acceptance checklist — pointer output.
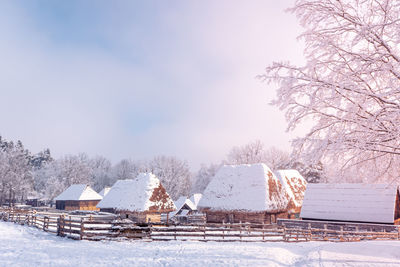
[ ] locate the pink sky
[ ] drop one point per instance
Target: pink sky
(134, 80)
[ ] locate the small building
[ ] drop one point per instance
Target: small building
(244, 193)
(34, 200)
(142, 199)
(365, 203)
(295, 186)
(105, 191)
(184, 207)
(78, 197)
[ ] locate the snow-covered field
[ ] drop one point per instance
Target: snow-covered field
(25, 246)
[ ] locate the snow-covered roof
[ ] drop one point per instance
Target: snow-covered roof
(245, 188)
(180, 204)
(79, 192)
(373, 203)
(105, 191)
(195, 198)
(144, 193)
(294, 184)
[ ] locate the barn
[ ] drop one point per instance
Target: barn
(142, 199)
(295, 186)
(244, 193)
(78, 197)
(365, 203)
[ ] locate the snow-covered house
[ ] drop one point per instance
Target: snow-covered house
(244, 193)
(104, 191)
(78, 197)
(184, 206)
(295, 186)
(369, 203)
(142, 199)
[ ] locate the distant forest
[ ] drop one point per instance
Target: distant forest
(24, 174)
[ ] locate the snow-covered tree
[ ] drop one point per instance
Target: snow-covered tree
(276, 158)
(203, 177)
(58, 175)
(250, 153)
(40, 159)
(173, 173)
(349, 85)
(16, 180)
(125, 169)
(101, 173)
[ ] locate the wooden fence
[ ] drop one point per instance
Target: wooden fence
(107, 227)
(307, 230)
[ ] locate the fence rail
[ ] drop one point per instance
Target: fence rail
(97, 227)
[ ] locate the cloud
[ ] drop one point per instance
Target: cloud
(137, 80)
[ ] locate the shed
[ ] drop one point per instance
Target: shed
(244, 193)
(367, 203)
(295, 186)
(78, 197)
(142, 199)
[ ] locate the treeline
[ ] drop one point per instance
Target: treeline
(24, 174)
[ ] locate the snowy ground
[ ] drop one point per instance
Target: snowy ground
(25, 246)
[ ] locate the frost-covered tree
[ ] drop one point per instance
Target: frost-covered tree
(349, 85)
(101, 173)
(173, 173)
(40, 159)
(276, 158)
(250, 153)
(59, 174)
(203, 177)
(125, 169)
(16, 180)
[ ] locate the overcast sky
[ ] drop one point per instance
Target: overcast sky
(134, 79)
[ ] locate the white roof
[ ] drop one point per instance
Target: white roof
(245, 187)
(105, 191)
(373, 203)
(294, 184)
(79, 192)
(195, 199)
(143, 193)
(180, 203)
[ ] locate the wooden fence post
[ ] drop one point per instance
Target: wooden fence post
(59, 226)
(263, 232)
(223, 229)
(240, 231)
(341, 234)
(175, 232)
(81, 233)
(70, 224)
(44, 224)
(62, 225)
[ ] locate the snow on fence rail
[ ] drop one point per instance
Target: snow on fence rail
(307, 230)
(98, 227)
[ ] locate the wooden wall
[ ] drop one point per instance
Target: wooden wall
(237, 217)
(77, 204)
(141, 217)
